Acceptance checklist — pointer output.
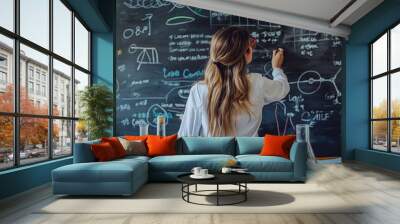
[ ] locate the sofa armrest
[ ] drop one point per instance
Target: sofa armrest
(83, 152)
(298, 155)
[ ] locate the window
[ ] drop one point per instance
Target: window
(6, 142)
(55, 101)
(385, 93)
(3, 61)
(30, 71)
(37, 89)
(7, 14)
(44, 91)
(3, 73)
(30, 88)
(81, 81)
(62, 74)
(37, 74)
(33, 140)
(35, 21)
(62, 137)
(6, 73)
(3, 78)
(81, 45)
(395, 47)
(41, 124)
(62, 29)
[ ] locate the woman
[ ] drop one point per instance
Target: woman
(229, 101)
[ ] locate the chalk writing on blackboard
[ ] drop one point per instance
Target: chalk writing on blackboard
(179, 20)
(144, 55)
(163, 47)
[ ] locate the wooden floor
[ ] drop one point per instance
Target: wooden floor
(379, 189)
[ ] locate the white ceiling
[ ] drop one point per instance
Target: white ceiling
(318, 9)
(314, 15)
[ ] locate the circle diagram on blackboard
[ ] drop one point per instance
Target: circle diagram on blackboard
(309, 82)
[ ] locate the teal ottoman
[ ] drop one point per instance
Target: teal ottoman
(118, 177)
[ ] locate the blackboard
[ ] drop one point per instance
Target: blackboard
(162, 48)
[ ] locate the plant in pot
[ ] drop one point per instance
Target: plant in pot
(96, 103)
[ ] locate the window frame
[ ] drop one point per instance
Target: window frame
(388, 74)
(16, 114)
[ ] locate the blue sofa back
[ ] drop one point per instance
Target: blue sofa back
(83, 152)
(206, 145)
(191, 146)
(249, 145)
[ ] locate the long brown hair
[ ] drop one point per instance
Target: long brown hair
(225, 77)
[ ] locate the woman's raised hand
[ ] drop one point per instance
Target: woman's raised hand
(277, 58)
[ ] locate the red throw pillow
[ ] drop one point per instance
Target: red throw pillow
(161, 146)
(277, 145)
(116, 145)
(135, 138)
(103, 152)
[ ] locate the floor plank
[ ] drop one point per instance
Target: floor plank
(376, 189)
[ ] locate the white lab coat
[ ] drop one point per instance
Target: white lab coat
(262, 92)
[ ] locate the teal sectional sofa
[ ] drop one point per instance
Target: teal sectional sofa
(125, 176)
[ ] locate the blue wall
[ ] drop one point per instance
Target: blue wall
(102, 58)
(102, 61)
(24, 178)
(103, 48)
(356, 130)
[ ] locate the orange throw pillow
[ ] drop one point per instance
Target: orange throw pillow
(277, 145)
(135, 138)
(116, 145)
(103, 152)
(161, 146)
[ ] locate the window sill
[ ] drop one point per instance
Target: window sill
(381, 159)
(30, 166)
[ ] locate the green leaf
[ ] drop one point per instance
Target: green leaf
(97, 103)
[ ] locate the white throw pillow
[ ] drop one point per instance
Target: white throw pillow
(137, 148)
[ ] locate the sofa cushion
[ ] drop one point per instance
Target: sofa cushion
(103, 152)
(206, 145)
(276, 145)
(249, 145)
(135, 147)
(112, 171)
(257, 163)
(161, 146)
(135, 137)
(185, 163)
(116, 145)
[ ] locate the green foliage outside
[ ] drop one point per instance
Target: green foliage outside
(379, 128)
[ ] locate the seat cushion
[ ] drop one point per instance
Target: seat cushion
(132, 159)
(111, 171)
(249, 145)
(185, 163)
(257, 163)
(207, 145)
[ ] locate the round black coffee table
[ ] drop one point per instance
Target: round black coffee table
(238, 179)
